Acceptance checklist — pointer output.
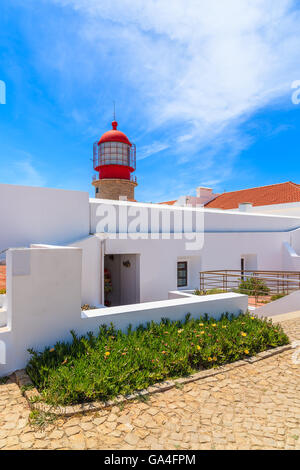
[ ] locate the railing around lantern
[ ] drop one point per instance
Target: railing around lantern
(261, 286)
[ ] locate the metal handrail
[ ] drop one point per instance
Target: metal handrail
(271, 282)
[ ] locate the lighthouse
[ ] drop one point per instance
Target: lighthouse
(114, 159)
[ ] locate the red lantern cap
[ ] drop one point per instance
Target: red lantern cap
(114, 136)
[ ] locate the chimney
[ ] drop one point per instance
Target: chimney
(205, 195)
(245, 206)
(202, 191)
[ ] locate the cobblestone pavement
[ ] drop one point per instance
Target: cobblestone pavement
(256, 406)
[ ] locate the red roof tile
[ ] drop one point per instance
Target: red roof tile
(168, 203)
(282, 193)
(2, 277)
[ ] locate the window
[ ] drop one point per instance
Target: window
(242, 269)
(182, 280)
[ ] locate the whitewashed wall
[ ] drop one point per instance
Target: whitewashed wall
(295, 241)
(92, 270)
(44, 304)
(291, 209)
(221, 251)
(157, 264)
(213, 220)
(288, 304)
(291, 260)
(41, 215)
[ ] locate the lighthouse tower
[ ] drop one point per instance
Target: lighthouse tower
(115, 161)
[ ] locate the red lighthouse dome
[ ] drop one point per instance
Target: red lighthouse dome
(114, 136)
(114, 155)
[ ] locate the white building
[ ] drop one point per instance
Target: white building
(151, 238)
(150, 251)
(64, 249)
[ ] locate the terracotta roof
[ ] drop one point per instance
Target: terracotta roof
(168, 203)
(282, 193)
(2, 277)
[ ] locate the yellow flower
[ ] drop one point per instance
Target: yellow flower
(198, 347)
(224, 326)
(107, 353)
(209, 359)
(214, 324)
(252, 318)
(201, 324)
(202, 332)
(214, 358)
(180, 331)
(246, 351)
(243, 334)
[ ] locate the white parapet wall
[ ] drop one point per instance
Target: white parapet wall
(2, 300)
(44, 304)
(179, 294)
(41, 215)
(290, 258)
(286, 305)
(174, 310)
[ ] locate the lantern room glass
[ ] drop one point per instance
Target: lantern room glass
(114, 153)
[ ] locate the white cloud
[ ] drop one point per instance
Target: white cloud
(152, 149)
(200, 67)
(22, 171)
(28, 174)
(208, 62)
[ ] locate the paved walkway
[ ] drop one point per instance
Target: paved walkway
(253, 407)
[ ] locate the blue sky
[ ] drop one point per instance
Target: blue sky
(202, 88)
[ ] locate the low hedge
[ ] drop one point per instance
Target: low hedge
(111, 363)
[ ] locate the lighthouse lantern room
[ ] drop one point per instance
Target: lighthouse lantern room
(114, 158)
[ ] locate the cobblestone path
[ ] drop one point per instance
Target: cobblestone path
(256, 406)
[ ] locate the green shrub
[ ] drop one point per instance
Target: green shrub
(111, 363)
(209, 292)
(277, 297)
(254, 287)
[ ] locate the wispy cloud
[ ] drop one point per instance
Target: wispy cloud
(152, 149)
(201, 67)
(23, 171)
(206, 62)
(186, 75)
(29, 175)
